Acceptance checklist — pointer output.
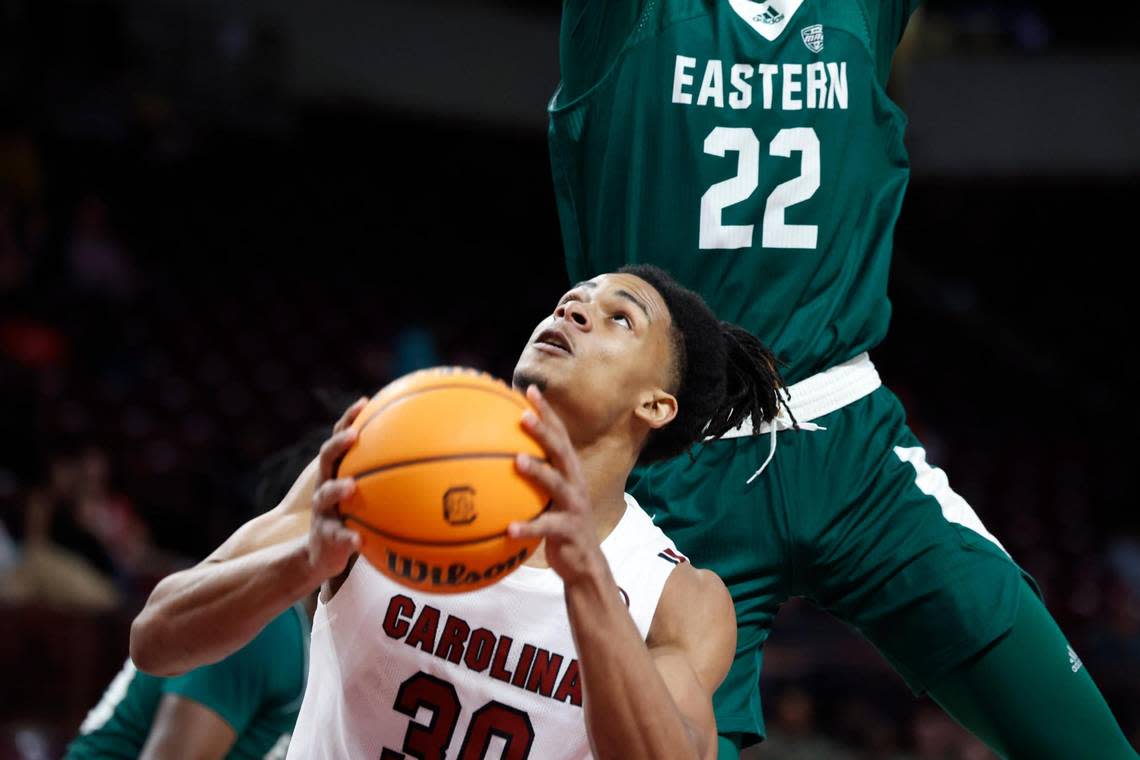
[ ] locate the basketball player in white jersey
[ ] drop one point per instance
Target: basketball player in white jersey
(606, 642)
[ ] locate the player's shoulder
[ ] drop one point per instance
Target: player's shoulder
(694, 594)
(696, 615)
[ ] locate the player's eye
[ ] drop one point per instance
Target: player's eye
(622, 317)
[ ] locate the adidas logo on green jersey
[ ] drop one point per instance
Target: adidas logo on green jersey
(769, 15)
(768, 19)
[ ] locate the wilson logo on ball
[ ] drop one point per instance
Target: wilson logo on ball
(454, 576)
(459, 505)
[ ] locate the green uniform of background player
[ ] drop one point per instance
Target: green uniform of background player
(751, 150)
(256, 691)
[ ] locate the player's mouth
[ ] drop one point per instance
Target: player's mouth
(554, 342)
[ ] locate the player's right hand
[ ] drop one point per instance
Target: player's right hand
(331, 543)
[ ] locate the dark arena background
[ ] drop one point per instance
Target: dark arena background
(220, 219)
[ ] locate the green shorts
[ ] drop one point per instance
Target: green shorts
(854, 519)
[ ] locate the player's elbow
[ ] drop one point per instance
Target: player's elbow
(146, 648)
(143, 651)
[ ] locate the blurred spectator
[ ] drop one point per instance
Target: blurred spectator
(793, 735)
(54, 565)
(109, 516)
(84, 544)
(868, 726)
(97, 260)
(938, 737)
(61, 564)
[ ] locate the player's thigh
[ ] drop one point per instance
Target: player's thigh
(897, 552)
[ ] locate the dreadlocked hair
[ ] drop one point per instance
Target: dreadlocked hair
(722, 374)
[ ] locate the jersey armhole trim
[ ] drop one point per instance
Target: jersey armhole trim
(870, 38)
(635, 38)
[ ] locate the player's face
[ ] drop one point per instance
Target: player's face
(603, 351)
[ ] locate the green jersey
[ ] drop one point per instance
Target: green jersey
(750, 149)
(257, 691)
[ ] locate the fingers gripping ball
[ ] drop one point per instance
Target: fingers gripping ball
(436, 480)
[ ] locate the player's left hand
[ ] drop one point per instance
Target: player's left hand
(572, 547)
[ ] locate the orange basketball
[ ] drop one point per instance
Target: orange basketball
(434, 464)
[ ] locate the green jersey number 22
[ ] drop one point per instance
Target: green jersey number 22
(777, 233)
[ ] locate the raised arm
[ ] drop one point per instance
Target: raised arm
(642, 699)
(202, 614)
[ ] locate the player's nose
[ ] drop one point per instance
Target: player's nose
(575, 312)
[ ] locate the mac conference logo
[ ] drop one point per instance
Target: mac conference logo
(459, 505)
(813, 37)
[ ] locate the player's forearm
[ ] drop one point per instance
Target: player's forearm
(203, 614)
(629, 710)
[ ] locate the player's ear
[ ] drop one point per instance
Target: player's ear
(657, 408)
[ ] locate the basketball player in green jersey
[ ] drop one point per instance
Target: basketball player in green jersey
(243, 707)
(751, 150)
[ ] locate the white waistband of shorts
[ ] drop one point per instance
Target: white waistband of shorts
(821, 394)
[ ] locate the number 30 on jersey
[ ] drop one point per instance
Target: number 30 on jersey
(777, 232)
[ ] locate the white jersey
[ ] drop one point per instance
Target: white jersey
(488, 674)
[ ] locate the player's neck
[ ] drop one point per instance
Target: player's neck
(606, 464)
